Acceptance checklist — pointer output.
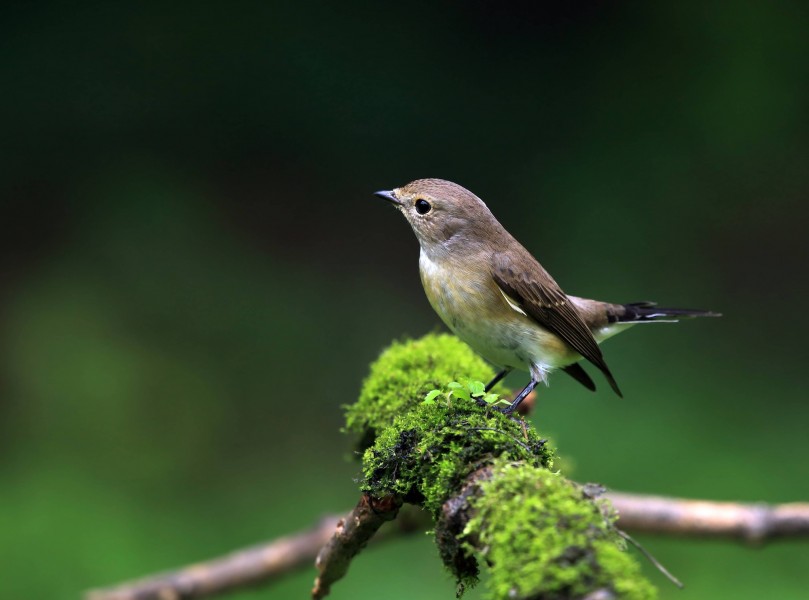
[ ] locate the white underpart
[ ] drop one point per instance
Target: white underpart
(606, 332)
(539, 372)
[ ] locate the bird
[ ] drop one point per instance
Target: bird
(495, 296)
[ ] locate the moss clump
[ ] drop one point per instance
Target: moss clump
(485, 479)
(404, 373)
(546, 539)
(426, 453)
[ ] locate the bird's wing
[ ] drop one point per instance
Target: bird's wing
(544, 301)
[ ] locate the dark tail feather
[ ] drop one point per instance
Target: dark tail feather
(579, 374)
(649, 311)
(611, 380)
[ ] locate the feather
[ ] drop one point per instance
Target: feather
(544, 301)
(579, 374)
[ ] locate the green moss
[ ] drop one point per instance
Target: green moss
(545, 539)
(485, 478)
(404, 373)
(628, 581)
(428, 451)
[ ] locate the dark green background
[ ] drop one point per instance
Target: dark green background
(194, 275)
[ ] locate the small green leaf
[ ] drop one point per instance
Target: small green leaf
(462, 393)
(431, 396)
(477, 388)
(491, 398)
(454, 385)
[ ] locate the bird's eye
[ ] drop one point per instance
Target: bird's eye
(422, 206)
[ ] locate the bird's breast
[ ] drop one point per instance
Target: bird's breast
(459, 290)
(463, 293)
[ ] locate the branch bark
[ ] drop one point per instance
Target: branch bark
(350, 537)
(638, 513)
(260, 564)
(754, 523)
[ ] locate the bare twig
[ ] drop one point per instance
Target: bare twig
(638, 513)
(650, 557)
(243, 568)
(352, 534)
(258, 565)
(748, 522)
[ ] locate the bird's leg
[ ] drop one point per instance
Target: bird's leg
(497, 378)
(520, 397)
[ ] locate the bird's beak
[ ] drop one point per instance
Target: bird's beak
(388, 195)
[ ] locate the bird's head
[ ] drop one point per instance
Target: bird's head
(440, 211)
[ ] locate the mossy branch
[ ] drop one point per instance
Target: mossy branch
(277, 558)
(486, 479)
(486, 483)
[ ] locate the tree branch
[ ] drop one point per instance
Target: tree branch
(350, 537)
(638, 513)
(260, 564)
(749, 522)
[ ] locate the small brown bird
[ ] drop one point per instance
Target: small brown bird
(497, 298)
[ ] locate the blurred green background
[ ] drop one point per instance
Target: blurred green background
(194, 275)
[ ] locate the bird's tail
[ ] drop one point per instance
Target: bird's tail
(650, 312)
